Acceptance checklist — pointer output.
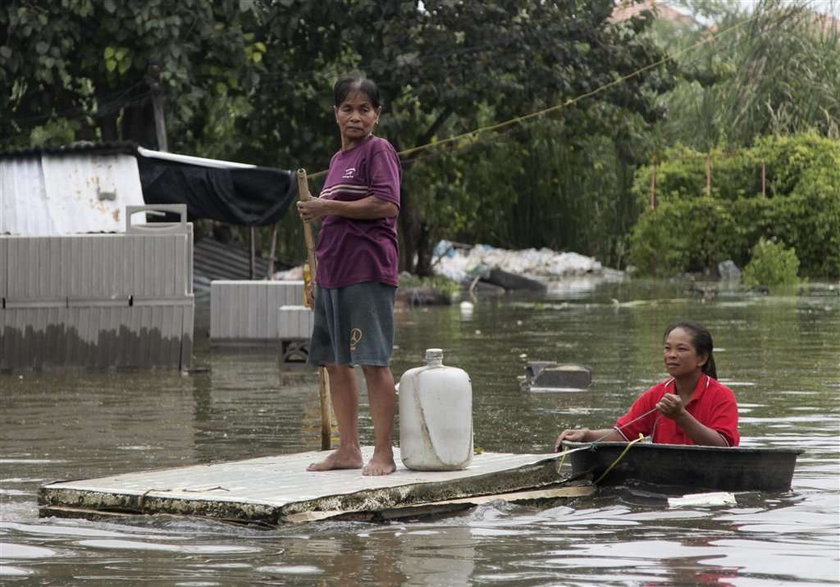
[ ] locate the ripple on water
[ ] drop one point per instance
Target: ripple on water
(30, 461)
(187, 548)
(80, 531)
(10, 571)
(15, 492)
(807, 561)
(16, 551)
(290, 570)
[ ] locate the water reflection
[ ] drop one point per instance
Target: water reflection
(778, 354)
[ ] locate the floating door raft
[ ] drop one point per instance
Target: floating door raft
(278, 489)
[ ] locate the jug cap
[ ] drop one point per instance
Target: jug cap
(434, 354)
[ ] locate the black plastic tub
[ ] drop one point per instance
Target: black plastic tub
(696, 467)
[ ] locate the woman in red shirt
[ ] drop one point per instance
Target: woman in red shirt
(691, 407)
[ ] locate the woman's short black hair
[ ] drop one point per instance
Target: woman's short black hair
(345, 85)
(702, 340)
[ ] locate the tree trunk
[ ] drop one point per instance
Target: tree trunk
(415, 248)
(138, 125)
(108, 127)
(424, 252)
(409, 231)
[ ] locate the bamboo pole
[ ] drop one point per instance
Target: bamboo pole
(324, 381)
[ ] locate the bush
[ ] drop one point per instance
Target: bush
(688, 235)
(692, 231)
(771, 264)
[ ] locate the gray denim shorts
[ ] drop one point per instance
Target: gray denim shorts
(354, 325)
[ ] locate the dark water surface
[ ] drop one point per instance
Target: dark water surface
(781, 355)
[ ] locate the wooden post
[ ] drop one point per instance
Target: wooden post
(270, 271)
(709, 174)
(653, 185)
(253, 265)
(323, 376)
(153, 79)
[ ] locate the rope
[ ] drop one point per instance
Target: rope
(572, 101)
(595, 442)
(621, 456)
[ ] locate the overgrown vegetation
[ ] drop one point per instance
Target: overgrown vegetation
(774, 71)
(693, 230)
(434, 289)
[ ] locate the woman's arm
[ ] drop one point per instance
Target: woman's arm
(368, 208)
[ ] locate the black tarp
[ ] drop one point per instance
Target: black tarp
(253, 196)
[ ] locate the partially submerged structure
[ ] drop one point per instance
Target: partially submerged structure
(262, 313)
(85, 280)
(552, 376)
(98, 300)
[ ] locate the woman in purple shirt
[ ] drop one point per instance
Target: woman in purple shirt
(357, 276)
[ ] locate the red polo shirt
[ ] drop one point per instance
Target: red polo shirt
(712, 404)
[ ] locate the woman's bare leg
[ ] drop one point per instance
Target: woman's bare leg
(383, 407)
(344, 391)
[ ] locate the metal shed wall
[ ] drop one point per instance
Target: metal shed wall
(97, 300)
(250, 310)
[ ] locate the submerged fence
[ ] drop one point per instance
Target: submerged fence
(119, 300)
(261, 312)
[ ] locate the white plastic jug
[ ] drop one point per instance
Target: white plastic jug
(436, 432)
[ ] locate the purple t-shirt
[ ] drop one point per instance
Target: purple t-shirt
(353, 251)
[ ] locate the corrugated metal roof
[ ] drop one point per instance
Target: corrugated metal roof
(70, 192)
(214, 260)
(28, 213)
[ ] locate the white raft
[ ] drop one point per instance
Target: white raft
(275, 490)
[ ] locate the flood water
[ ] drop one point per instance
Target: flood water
(780, 353)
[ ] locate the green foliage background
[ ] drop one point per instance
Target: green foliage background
(250, 80)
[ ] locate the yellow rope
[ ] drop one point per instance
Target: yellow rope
(571, 101)
(561, 461)
(621, 456)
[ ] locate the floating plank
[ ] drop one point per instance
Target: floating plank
(278, 489)
(716, 498)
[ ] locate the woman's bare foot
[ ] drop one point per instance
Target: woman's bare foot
(380, 465)
(343, 458)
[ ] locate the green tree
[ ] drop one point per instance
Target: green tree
(447, 68)
(772, 71)
(92, 66)
(771, 265)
